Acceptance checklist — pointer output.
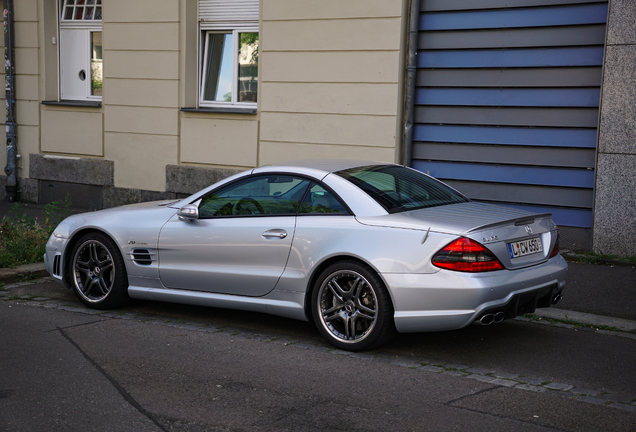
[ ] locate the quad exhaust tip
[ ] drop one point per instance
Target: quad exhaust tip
(492, 318)
(497, 317)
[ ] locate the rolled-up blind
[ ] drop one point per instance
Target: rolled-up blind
(224, 14)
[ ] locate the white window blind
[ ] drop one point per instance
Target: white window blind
(228, 14)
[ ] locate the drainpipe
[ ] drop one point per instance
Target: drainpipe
(12, 139)
(411, 69)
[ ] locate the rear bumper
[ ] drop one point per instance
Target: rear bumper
(449, 300)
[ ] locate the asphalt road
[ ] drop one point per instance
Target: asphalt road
(163, 367)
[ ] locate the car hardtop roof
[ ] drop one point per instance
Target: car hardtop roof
(327, 165)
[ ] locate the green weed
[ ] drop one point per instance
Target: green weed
(601, 258)
(22, 239)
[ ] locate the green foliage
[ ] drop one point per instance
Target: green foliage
(22, 239)
(56, 212)
(600, 258)
(250, 39)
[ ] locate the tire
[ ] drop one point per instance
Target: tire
(352, 308)
(97, 273)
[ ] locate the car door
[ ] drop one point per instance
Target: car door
(241, 240)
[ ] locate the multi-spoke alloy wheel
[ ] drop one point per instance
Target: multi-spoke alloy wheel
(351, 307)
(98, 274)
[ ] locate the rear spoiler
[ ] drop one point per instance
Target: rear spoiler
(525, 220)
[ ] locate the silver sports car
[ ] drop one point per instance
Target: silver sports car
(362, 249)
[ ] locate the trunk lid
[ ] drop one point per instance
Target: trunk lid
(493, 226)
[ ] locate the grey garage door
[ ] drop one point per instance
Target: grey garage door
(507, 100)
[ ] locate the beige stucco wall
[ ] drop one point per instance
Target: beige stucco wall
(72, 131)
(329, 86)
(330, 81)
(220, 140)
(216, 141)
(26, 83)
(141, 90)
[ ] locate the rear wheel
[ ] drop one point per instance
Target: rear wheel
(98, 273)
(352, 308)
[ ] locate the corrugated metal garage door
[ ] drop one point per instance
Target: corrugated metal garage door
(507, 101)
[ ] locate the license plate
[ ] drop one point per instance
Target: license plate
(525, 247)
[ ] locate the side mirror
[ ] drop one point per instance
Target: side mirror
(188, 213)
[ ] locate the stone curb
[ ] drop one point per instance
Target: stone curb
(586, 318)
(23, 272)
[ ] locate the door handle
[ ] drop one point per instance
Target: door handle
(275, 233)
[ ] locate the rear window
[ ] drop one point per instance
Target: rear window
(399, 189)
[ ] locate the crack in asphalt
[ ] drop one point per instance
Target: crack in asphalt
(122, 391)
(57, 329)
(466, 396)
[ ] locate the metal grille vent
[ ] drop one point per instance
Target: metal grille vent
(57, 265)
(142, 256)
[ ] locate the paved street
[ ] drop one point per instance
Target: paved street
(163, 367)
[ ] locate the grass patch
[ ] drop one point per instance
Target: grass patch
(601, 258)
(22, 239)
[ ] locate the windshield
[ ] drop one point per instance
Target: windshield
(399, 189)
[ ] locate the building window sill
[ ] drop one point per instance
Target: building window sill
(76, 103)
(220, 110)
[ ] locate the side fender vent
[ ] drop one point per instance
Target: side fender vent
(142, 257)
(57, 265)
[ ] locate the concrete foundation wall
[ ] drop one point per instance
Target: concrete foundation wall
(615, 200)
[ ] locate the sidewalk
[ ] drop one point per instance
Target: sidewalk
(603, 295)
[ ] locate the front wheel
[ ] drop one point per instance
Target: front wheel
(98, 273)
(352, 308)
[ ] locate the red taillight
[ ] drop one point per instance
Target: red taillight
(466, 255)
(555, 249)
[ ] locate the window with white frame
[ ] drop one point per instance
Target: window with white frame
(229, 53)
(81, 69)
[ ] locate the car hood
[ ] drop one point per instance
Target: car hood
(140, 206)
(154, 213)
(456, 219)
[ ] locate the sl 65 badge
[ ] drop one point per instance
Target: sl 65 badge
(488, 239)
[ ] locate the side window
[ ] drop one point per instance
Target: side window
(263, 195)
(229, 49)
(230, 68)
(81, 50)
(320, 201)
